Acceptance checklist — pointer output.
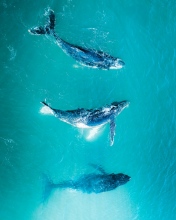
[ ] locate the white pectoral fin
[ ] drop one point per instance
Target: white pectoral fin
(93, 132)
(112, 130)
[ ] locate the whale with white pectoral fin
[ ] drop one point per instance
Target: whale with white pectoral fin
(90, 118)
(88, 183)
(87, 57)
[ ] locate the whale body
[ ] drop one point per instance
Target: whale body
(87, 57)
(88, 183)
(89, 118)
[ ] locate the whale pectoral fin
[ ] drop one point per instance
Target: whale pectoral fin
(112, 131)
(98, 167)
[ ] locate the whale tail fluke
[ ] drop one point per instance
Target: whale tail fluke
(48, 187)
(48, 28)
(44, 103)
(51, 19)
(46, 109)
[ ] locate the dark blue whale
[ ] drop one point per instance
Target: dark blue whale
(88, 183)
(87, 57)
(88, 118)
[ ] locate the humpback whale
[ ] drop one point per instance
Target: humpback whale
(88, 118)
(87, 57)
(88, 183)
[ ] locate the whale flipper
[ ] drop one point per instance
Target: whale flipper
(98, 167)
(48, 27)
(112, 130)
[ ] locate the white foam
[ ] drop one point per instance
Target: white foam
(106, 110)
(76, 66)
(12, 52)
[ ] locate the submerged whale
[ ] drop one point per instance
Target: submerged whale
(87, 57)
(88, 118)
(88, 183)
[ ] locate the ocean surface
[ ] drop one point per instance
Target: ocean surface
(34, 69)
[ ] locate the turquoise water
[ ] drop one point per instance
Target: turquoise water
(33, 68)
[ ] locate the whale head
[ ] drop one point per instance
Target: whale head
(119, 106)
(117, 64)
(122, 178)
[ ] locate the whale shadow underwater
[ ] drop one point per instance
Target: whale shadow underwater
(88, 183)
(89, 118)
(87, 57)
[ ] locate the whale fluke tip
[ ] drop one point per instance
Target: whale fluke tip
(44, 103)
(48, 28)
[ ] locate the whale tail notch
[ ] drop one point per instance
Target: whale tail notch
(48, 28)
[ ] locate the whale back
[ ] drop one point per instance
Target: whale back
(97, 183)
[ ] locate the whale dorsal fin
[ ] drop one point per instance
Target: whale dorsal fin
(112, 130)
(98, 167)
